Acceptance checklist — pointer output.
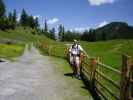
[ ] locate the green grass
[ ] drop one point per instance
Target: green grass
(58, 51)
(11, 51)
(109, 52)
(19, 37)
(64, 68)
(52, 48)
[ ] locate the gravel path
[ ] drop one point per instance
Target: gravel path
(33, 77)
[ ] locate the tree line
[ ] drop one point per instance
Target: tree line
(113, 30)
(10, 21)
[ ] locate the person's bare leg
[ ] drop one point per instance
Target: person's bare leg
(74, 66)
(78, 67)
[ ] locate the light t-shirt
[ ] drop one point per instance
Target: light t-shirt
(75, 49)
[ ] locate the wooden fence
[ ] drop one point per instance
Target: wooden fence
(127, 79)
(109, 83)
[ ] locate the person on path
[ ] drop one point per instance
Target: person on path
(75, 51)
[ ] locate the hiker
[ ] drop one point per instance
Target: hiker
(74, 53)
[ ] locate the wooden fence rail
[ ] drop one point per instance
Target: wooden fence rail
(116, 90)
(125, 87)
(97, 74)
(126, 78)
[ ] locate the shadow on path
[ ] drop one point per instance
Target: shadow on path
(69, 75)
(91, 89)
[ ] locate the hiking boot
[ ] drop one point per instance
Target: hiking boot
(76, 75)
(79, 77)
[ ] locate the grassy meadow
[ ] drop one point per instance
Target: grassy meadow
(109, 52)
(11, 51)
(22, 35)
(12, 42)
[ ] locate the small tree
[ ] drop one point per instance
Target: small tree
(10, 16)
(61, 33)
(52, 34)
(14, 16)
(92, 35)
(45, 26)
(2, 9)
(9, 22)
(2, 14)
(24, 18)
(30, 22)
(36, 22)
(85, 36)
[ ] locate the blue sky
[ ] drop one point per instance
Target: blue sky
(76, 14)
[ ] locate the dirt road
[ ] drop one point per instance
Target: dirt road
(33, 77)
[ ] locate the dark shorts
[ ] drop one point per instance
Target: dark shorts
(75, 55)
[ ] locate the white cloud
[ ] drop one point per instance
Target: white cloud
(102, 24)
(100, 2)
(80, 29)
(53, 21)
(37, 16)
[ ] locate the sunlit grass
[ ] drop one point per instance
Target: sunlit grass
(18, 38)
(11, 51)
(109, 52)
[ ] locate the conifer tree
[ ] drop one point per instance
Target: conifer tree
(14, 16)
(2, 9)
(46, 26)
(36, 22)
(24, 18)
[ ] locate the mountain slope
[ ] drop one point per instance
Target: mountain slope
(115, 30)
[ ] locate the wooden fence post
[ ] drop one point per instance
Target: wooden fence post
(66, 52)
(98, 69)
(93, 70)
(81, 58)
(124, 90)
(131, 83)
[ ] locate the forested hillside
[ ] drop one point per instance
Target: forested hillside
(113, 30)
